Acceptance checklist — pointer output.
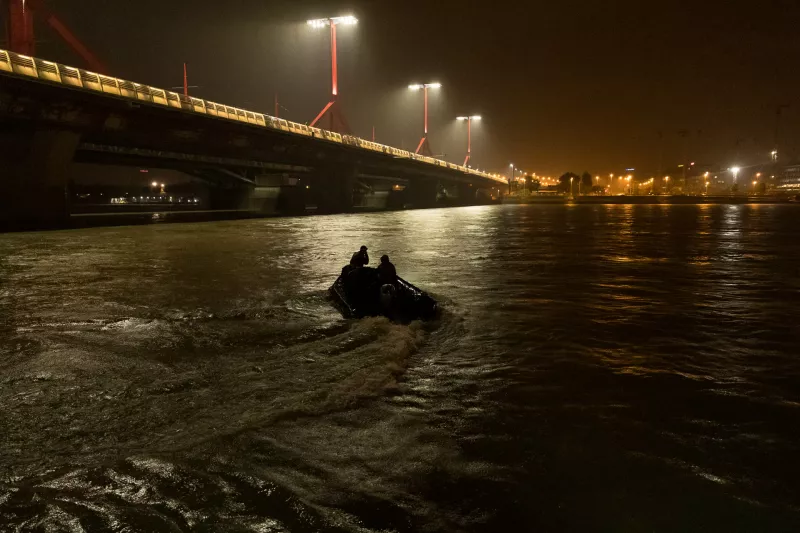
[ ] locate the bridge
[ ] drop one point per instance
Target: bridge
(53, 115)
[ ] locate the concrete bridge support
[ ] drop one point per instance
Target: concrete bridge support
(332, 190)
(34, 173)
(458, 194)
(421, 193)
(239, 197)
(277, 194)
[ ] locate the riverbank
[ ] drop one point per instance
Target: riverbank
(648, 199)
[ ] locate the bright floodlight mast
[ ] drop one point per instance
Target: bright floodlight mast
(469, 120)
(423, 145)
(20, 28)
(334, 113)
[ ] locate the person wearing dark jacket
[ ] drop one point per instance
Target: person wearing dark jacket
(386, 271)
(360, 258)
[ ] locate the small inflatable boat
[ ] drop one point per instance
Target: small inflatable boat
(358, 293)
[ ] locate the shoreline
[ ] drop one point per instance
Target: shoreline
(648, 200)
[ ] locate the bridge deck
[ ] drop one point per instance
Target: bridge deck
(18, 65)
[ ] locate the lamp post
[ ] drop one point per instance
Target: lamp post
(469, 120)
(513, 168)
(334, 111)
(424, 141)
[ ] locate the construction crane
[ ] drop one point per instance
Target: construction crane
(21, 37)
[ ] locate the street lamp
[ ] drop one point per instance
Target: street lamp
(469, 120)
(335, 113)
(735, 172)
(424, 140)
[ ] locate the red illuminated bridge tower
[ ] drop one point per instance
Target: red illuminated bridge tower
(21, 37)
(336, 120)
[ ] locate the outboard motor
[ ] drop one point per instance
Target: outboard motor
(388, 294)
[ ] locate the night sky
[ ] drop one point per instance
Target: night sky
(561, 85)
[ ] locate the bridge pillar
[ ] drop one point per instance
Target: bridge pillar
(233, 198)
(332, 190)
(458, 194)
(422, 192)
(484, 196)
(278, 194)
(467, 194)
(34, 173)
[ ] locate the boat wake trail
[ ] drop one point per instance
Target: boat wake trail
(109, 422)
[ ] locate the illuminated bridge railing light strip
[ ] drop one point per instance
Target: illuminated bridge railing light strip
(19, 64)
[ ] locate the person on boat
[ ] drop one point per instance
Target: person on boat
(360, 258)
(387, 273)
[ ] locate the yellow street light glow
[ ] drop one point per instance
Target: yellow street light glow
(154, 184)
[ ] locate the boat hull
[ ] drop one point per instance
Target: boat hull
(406, 303)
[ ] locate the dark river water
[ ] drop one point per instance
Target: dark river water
(595, 368)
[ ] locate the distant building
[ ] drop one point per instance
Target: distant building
(789, 178)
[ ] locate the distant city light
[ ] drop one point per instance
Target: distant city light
(154, 184)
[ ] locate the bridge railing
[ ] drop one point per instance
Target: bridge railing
(47, 71)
